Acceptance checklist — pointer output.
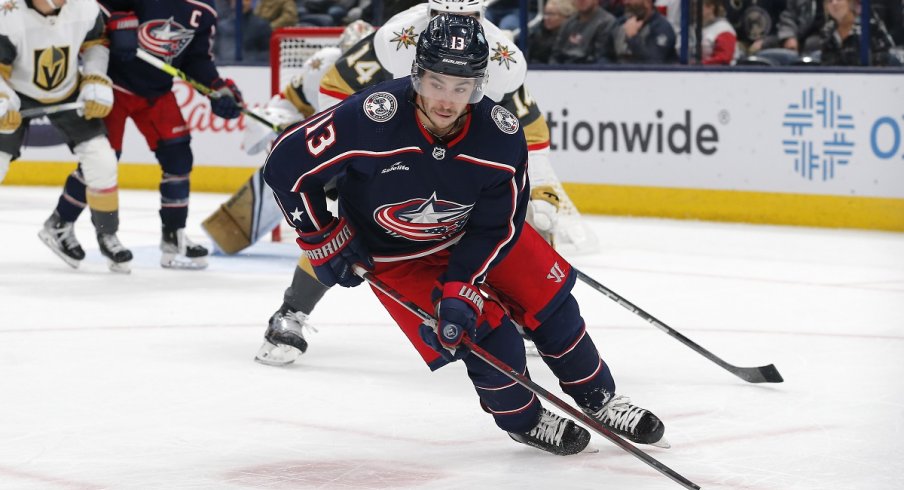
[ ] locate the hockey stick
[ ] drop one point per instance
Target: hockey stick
(761, 374)
(526, 382)
(204, 89)
(51, 109)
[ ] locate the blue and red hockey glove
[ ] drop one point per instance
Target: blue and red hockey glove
(459, 306)
(226, 99)
(333, 251)
(122, 30)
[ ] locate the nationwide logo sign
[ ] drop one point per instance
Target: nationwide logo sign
(819, 134)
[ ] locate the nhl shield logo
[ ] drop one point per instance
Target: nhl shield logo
(439, 152)
(380, 107)
(506, 121)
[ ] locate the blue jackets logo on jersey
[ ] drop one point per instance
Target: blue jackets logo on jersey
(380, 106)
(164, 38)
(506, 121)
(422, 220)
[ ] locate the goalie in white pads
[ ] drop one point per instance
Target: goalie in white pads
(251, 213)
(41, 43)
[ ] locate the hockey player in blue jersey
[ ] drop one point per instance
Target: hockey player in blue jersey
(180, 32)
(433, 191)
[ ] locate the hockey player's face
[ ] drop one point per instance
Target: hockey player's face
(445, 98)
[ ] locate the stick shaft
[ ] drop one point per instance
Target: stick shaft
(51, 109)
(762, 374)
(204, 89)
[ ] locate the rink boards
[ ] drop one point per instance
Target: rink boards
(819, 149)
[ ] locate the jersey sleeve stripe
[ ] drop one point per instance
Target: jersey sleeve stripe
(481, 272)
(486, 163)
(538, 146)
(308, 208)
(351, 154)
(334, 94)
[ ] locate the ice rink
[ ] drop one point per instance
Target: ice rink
(146, 381)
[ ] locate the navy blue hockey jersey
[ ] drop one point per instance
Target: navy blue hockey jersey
(180, 32)
(406, 194)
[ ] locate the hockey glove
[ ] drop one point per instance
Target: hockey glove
(122, 28)
(457, 310)
(543, 211)
(226, 99)
(10, 118)
(96, 92)
(333, 251)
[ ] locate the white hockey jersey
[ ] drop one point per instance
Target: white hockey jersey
(395, 43)
(40, 54)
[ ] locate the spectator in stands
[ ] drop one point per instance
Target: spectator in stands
(543, 36)
(800, 26)
(719, 38)
(754, 22)
(279, 13)
(587, 36)
(505, 14)
(842, 33)
(255, 32)
(645, 36)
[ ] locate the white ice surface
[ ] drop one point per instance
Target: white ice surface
(147, 380)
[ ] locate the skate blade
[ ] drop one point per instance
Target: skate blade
(119, 267)
(51, 244)
(661, 443)
(175, 262)
(276, 355)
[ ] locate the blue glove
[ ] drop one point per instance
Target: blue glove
(226, 99)
(459, 306)
(333, 251)
(122, 28)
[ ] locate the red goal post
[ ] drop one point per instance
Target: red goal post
(291, 46)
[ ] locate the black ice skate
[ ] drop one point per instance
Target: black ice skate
(284, 340)
(59, 236)
(118, 256)
(555, 434)
(179, 252)
(631, 422)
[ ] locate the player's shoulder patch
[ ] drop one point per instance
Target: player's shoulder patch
(380, 106)
(505, 120)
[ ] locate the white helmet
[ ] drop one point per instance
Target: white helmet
(461, 7)
(353, 33)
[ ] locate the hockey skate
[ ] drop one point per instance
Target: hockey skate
(118, 256)
(59, 236)
(179, 252)
(555, 434)
(631, 422)
(284, 340)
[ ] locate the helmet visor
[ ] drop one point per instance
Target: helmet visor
(448, 88)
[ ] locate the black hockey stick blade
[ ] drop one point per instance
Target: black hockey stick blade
(529, 384)
(761, 374)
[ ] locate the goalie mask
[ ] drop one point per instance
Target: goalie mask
(451, 60)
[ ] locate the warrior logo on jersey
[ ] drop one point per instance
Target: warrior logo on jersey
(406, 37)
(51, 67)
(503, 55)
(506, 121)
(164, 38)
(423, 220)
(380, 106)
